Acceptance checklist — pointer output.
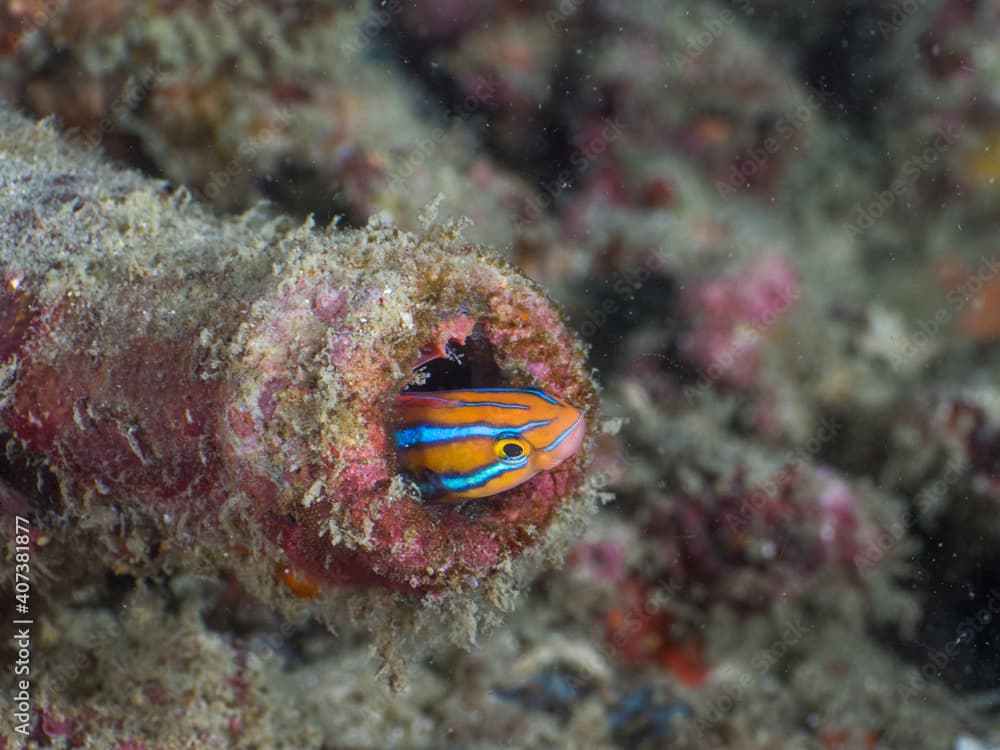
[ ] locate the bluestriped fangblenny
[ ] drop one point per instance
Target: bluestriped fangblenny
(459, 445)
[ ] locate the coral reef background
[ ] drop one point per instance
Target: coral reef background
(773, 224)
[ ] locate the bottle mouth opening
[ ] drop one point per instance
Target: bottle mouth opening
(314, 414)
(459, 363)
(460, 356)
(451, 451)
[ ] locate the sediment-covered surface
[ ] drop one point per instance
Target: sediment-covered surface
(773, 226)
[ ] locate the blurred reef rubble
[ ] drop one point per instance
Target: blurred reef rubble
(773, 227)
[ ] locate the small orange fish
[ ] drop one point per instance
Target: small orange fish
(460, 445)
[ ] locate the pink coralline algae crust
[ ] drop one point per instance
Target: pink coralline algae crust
(50, 728)
(395, 540)
(942, 54)
(53, 728)
(974, 432)
(744, 545)
(731, 314)
(81, 412)
(234, 409)
(840, 527)
(602, 561)
(159, 437)
(168, 457)
(78, 728)
(444, 21)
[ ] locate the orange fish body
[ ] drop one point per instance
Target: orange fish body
(461, 445)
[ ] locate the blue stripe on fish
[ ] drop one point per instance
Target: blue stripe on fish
(453, 451)
(466, 482)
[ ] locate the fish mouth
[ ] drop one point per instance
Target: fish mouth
(568, 444)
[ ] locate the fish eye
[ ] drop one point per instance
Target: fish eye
(510, 449)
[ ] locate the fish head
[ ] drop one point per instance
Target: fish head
(476, 443)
